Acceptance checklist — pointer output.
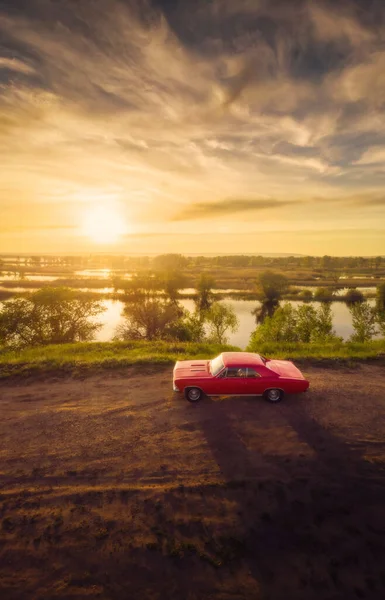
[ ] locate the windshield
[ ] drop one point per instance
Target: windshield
(216, 365)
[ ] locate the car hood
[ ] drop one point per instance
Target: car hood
(285, 368)
(192, 368)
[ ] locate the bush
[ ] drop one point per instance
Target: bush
(189, 328)
(272, 285)
(364, 319)
(306, 295)
(48, 316)
(381, 297)
(381, 322)
(205, 296)
(304, 324)
(323, 294)
(149, 319)
(220, 319)
(277, 328)
(353, 295)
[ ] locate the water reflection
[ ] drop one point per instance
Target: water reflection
(101, 274)
(342, 321)
(11, 277)
(340, 292)
(112, 317)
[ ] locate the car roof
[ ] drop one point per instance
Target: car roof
(237, 359)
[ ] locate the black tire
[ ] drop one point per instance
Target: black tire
(193, 394)
(273, 395)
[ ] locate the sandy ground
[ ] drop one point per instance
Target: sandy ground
(112, 487)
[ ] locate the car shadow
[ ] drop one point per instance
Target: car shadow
(313, 524)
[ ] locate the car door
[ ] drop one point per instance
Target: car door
(254, 382)
(232, 381)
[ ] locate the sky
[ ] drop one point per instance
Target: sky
(206, 126)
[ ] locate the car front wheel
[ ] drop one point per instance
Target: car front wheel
(193, 394)
(273, 395)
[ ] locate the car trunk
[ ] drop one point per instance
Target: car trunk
(285, 368)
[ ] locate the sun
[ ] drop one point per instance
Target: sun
(104, 225)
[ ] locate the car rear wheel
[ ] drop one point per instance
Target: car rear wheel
(193, 394)
(273, 395)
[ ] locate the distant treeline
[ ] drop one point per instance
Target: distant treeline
(179, 261)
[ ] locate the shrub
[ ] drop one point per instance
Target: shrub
(220, 319)
(381, 322)
(306, 295)
(272, 285)
(381, 297)
(189, 328)
(353, 295)
(304, 324)
(149, 319)
(364, 319)
(205, 296)
(277, 328)
(48, 316)
(323, 294)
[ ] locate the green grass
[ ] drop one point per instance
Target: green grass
(336, 350)
(82, 356)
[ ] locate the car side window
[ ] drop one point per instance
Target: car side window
(235, 372)
(252, 373)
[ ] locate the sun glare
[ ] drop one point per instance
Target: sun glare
(104, 225)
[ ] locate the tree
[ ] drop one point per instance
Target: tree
(142, 285)
(323, 294)
(221, 318)
(172, 282)
(323, 330)
(149, 319)
(205, 296)
(281, 327)
(381, 297)
(272, 285)
(170, 262)
(326, 262)
(364, 319)
(117, 282)
(266, 309)
(49, 316)
(306, 295)
(381, 322)
(353, 296)
(189, 328)
(304, 324)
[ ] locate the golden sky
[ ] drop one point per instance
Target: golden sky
(136, 126)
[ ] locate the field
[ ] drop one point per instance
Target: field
(113, 489)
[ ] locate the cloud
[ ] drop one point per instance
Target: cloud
(26, 228)
(13, 64)
(228, 207)
(167, 105)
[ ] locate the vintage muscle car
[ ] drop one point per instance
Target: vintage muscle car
(238, 374)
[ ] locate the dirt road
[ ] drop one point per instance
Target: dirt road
(113, 488)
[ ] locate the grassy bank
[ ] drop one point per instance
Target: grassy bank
(313, 352)
(84, 356)
(77, 358)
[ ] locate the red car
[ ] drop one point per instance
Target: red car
(238, 374)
